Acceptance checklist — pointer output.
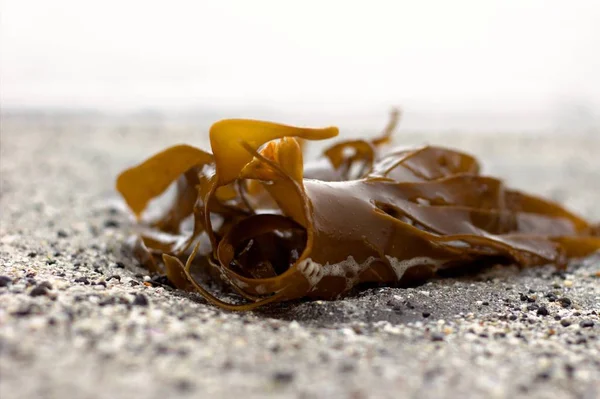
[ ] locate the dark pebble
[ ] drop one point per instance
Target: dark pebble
(5, 281)
(586, 323)
(283, 377)
(551, 297)
(523, 297)
(162, 281)
(62, 234)
(120, 265)
(570, 370)
(543, 376)
(39, 290)
(347, 368)
(32, 254)
(559, 273)
(565, 323)
(543, 311)
(114, 300)
(532, 306)
(111, 224)
(512, 317)
(51, 262)
(426, 314)
(83, 280)
(436, 336)
(486, 304)
(564, 302)
(114, 277)
(184, 385)
(140, 300)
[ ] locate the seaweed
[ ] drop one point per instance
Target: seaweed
(252, 215)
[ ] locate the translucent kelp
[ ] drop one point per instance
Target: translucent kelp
(253, 215)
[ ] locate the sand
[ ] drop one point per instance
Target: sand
(79, 319)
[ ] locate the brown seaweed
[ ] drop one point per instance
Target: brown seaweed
(273, 229)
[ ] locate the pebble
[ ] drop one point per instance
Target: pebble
(437, 336)
(565, 302)
(5, 281)
(39, 290)
(283, 377)
(543, 311)
(565, 322)
(586, 323)
(140, 300)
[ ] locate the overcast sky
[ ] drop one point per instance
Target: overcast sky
(310, 55)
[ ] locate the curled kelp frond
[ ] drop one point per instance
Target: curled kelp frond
(253, 215)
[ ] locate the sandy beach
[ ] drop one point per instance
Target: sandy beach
(79, 319)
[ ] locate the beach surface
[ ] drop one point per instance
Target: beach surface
(80, 319)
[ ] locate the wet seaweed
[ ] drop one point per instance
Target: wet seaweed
(253, 215)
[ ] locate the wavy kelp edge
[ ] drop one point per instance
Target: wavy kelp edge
(383, 194)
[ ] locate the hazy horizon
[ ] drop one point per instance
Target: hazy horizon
(466, 64)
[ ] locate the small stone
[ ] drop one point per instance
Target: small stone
(5, 281)
(39, 290)
(83, 280)
(426, 314)
(523, 297)
(120, 265)
(283, 377)
(436, 336)
(62, 234)
(565, 322)
(568, 283)
(586, 323)
(140, 300)
(564, 302)
(543, 311)
(111, 224)
(347, 367)
(551, 297)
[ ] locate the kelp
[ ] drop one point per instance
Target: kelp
(254, 216)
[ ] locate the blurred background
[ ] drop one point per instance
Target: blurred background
(482, 66)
